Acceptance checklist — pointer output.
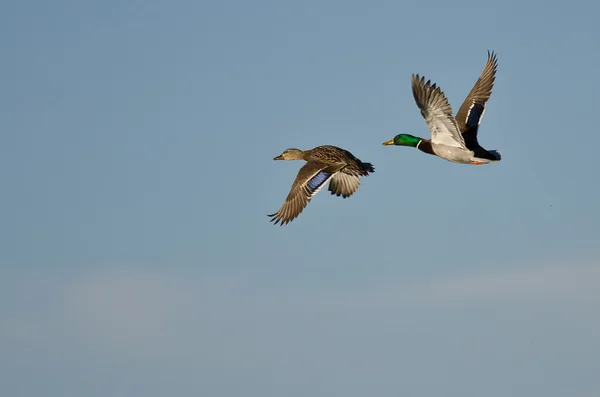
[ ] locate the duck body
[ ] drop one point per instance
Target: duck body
(324, 164)
(332, 154)
(453, 138)
(450, 153)
(458, 155)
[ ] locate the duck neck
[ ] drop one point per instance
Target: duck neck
(306, 154)
(425, 146)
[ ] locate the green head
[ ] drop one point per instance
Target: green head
(404, 140)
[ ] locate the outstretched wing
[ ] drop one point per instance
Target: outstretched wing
(310, 179)
(471, 111)
(437, 113)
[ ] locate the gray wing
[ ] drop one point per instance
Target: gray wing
(310, 179)
(471, 111)
(344, 184)
(437, 113)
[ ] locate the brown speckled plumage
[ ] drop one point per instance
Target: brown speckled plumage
(324, 164)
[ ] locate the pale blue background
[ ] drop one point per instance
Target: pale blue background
(136, 147)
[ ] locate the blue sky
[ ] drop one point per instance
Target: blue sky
(136, 148)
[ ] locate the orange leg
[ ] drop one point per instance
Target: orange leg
(477, 162)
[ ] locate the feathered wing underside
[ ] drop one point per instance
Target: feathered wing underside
(471, 111)
(309, 181)
(344, 184)
(437, 113)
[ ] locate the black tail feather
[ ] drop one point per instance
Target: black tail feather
(367, 167)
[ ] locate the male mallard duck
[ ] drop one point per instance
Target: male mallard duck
(453, 139)
(323, 164)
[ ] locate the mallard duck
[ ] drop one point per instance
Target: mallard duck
(324, 164)
(453, 139)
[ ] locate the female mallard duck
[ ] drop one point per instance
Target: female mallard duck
(323, 164)
(453, 139)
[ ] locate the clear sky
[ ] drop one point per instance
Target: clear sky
(136, 147)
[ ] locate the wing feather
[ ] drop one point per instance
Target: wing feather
(471, 111)
(344, 184)
(437, 113)
(309, 181)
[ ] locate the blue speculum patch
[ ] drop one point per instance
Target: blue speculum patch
(475, 115)
(317, 180)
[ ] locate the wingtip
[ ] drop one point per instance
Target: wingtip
(273, 218)
(492, 56)
(418, 78)
(279, 221)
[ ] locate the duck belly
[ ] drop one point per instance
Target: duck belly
(453, 154)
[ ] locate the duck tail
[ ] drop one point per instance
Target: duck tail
(496, 154)
(367, 167)
(488, 156)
